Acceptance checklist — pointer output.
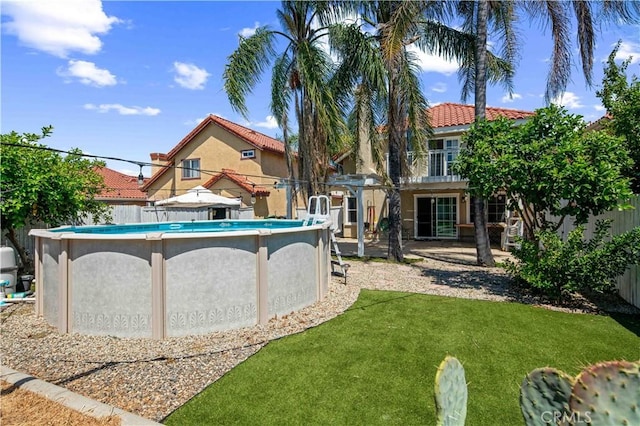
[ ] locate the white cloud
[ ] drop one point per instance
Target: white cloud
(269, 123)
(58, 27)
(569, 100)
(433, 63)
(599, 108)
(190, 76)
(123, 110)
(248, 32)
(508, 99)
(628, 49)
(88, 74)
(439, 87)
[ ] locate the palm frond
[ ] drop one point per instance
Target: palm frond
(586, 37)
(416, 104)
(401, 25)
(281, 92)
(315, 67)
(616, 11)
(245, 66)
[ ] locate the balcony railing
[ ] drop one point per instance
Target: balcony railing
(435, 166)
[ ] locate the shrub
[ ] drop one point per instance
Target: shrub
(559, 267)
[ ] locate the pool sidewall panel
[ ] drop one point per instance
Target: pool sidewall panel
(210, 284)
(292, 274)
(118, 300)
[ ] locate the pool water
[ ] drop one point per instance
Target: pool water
(177, 227)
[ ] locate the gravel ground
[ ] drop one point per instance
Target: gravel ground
(152, 378)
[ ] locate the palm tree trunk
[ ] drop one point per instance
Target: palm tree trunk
(396, 129)
(483, 244)
(289, 160)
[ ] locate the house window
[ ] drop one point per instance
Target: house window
(442, 154)
(496, 209)
(352, 210)
(191, 168)
(248, 153)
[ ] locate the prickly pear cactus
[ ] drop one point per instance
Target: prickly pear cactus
(451, 393)
(608, 393)
(544, 396)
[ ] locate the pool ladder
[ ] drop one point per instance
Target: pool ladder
(319, 211)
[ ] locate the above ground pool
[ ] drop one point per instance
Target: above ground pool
(157, 280)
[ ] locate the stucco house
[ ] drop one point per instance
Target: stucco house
(434, 202)
(230, 160)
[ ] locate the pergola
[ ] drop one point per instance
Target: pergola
(356, 184)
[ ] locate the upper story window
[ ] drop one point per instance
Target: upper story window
(191, 168)
(447, 144)
(248, 153)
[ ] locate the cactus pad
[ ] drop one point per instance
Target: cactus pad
(544, 396)
(451, 393)
(608, 393)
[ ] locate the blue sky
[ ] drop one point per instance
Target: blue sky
(125, 79)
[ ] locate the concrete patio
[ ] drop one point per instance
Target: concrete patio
(445, 250)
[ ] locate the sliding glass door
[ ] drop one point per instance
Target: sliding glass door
(436, 216)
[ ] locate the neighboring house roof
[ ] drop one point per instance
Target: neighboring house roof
(450, 114)
(259, 140)
(239, 180)
(119, 186)
(600, 123)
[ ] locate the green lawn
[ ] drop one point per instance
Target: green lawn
(376, 363)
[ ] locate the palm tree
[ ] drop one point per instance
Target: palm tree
(300, 80)
(476, 19)
(382, 66)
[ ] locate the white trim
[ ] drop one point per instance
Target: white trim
(346, 220)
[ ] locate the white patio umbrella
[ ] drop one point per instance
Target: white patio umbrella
(199, 197)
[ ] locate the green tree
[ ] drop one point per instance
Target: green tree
(556, 14)
(39, 185)
(548, 166)
(300, 79)
(621, 97)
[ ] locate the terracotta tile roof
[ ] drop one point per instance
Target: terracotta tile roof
(600, 123)
(119, 185)
(257, 139)
(451, 114)
(239, 180)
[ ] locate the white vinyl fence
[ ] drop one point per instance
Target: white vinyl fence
(628, 284)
